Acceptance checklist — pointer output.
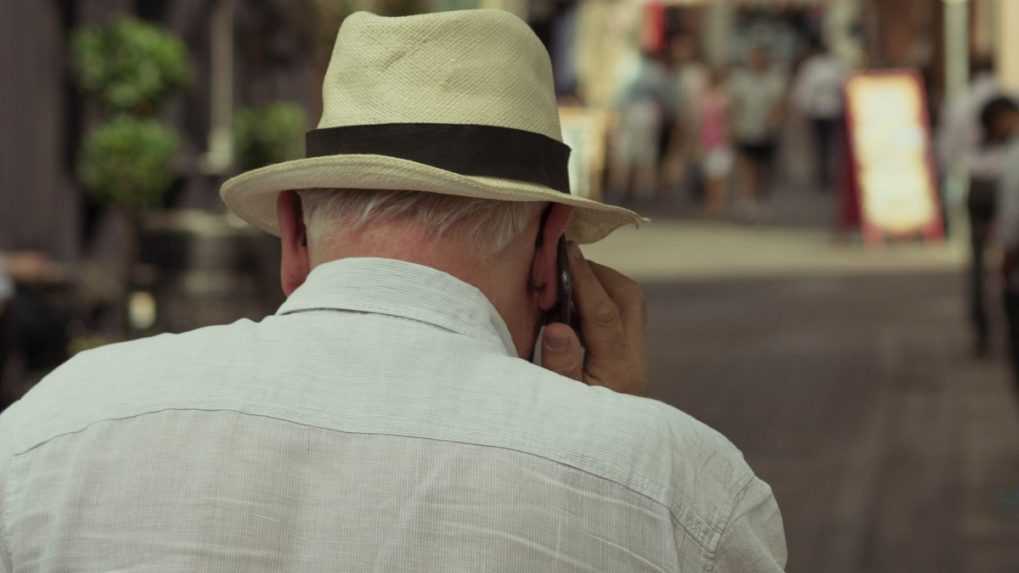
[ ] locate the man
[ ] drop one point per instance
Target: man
(387, 417)
(960, 136)
(818, 94)
(1001, 116)
(965, 140)
(643, 105)
(987, 164)
(758, 100)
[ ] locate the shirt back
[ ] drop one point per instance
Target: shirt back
(379, 422)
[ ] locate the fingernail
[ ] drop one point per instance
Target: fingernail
(555, 341)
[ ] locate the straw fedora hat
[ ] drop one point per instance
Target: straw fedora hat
(458, 103)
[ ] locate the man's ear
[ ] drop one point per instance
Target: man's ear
(295, 263)
(544, 267)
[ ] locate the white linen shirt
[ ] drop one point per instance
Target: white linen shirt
(380, 421)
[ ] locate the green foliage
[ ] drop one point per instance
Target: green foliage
(127, 161)
(130, 66)
(269, 134)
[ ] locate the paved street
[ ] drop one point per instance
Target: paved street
(844, 376)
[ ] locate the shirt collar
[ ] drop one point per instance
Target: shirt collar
(405, 290)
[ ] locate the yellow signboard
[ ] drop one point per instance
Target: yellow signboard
(890, 147)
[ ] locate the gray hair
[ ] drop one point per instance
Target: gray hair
(489, 225)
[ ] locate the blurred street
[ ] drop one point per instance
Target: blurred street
(845, 376)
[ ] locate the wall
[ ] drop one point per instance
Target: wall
(38, 203)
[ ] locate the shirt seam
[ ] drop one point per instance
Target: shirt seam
(473, 334)
(704, 544)
(10, 497)
(713, 552)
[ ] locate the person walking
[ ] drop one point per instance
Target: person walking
(641, 110)
(757, 95)
(1001, 117)
(715, 147)
(818, 93)
(987, 164)
(690, 77)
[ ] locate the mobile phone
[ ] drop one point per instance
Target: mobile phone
(565, 310)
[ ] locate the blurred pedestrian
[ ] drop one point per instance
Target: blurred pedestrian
(961, 135)
(394, 414)
(818, 94)
(757, 94)
(987, 163)
(641, 110)
(690, 77)
(1001, 116)
(715, 147)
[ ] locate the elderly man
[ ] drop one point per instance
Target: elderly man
(389, 416)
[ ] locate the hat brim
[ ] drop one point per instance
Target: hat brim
(252, 195)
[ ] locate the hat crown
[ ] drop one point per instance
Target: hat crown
(474, 67)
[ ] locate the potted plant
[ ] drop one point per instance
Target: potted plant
(128, 71)
(269, 134)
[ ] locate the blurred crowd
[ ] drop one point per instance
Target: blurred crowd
(714, 133)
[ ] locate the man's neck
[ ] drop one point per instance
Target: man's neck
(495, 277)
(403, 244)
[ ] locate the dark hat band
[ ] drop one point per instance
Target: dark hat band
(474, 150)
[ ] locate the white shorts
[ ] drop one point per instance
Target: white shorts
(718, 163)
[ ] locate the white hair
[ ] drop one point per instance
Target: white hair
(489, 226)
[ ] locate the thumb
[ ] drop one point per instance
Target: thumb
(561, 351)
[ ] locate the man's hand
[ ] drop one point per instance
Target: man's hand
(613, 319)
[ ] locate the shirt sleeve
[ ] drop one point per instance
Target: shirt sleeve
(754, 539)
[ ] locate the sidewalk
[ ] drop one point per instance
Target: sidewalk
(670, 250)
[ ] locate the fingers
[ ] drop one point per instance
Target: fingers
(625, 292)
(561, 351)
(613, 318)
(629, 298)
(600, 318)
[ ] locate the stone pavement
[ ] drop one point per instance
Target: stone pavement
(844, 376)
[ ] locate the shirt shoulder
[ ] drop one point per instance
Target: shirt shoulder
(650, 447)
(118, 380)
(341, 380)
